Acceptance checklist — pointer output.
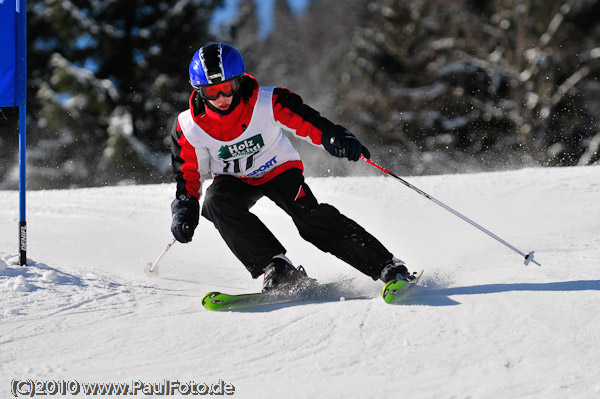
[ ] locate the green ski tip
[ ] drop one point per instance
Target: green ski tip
(395, 289)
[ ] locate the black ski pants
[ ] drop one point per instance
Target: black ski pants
(227, 204)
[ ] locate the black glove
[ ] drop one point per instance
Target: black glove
(186, 213)
(339, 142)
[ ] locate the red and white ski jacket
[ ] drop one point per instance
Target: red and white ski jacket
(247, 142)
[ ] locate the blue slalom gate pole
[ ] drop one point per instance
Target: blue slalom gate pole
(21, 100)
(22, 185)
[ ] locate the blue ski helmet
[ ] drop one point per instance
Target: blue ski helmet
(215, 63)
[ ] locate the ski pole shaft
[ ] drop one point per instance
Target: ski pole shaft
(186, 228)
(528, 257)
(151, 268)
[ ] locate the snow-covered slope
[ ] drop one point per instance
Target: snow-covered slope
(485, 325)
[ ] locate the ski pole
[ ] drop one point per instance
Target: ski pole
(528, 257)
(151, 269)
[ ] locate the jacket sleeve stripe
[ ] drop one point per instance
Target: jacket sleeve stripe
(290, 111)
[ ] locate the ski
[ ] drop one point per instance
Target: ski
(216, 300)
(396, 290)
(393, 292)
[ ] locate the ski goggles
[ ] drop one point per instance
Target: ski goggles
(227, 88)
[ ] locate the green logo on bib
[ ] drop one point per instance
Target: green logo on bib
(243, 148)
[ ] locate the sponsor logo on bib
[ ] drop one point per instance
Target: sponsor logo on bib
(243, 148)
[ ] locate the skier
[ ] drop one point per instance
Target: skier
(233, 128)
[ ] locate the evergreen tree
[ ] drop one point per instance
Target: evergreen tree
(430, 78)
(442, 85)
(109, 81)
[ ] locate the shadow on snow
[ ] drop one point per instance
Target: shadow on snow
(441, 296)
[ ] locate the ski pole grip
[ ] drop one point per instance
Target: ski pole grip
(186, 227)
(336, 142)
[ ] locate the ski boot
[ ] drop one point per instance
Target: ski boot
(394, 269)
(281, 275)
